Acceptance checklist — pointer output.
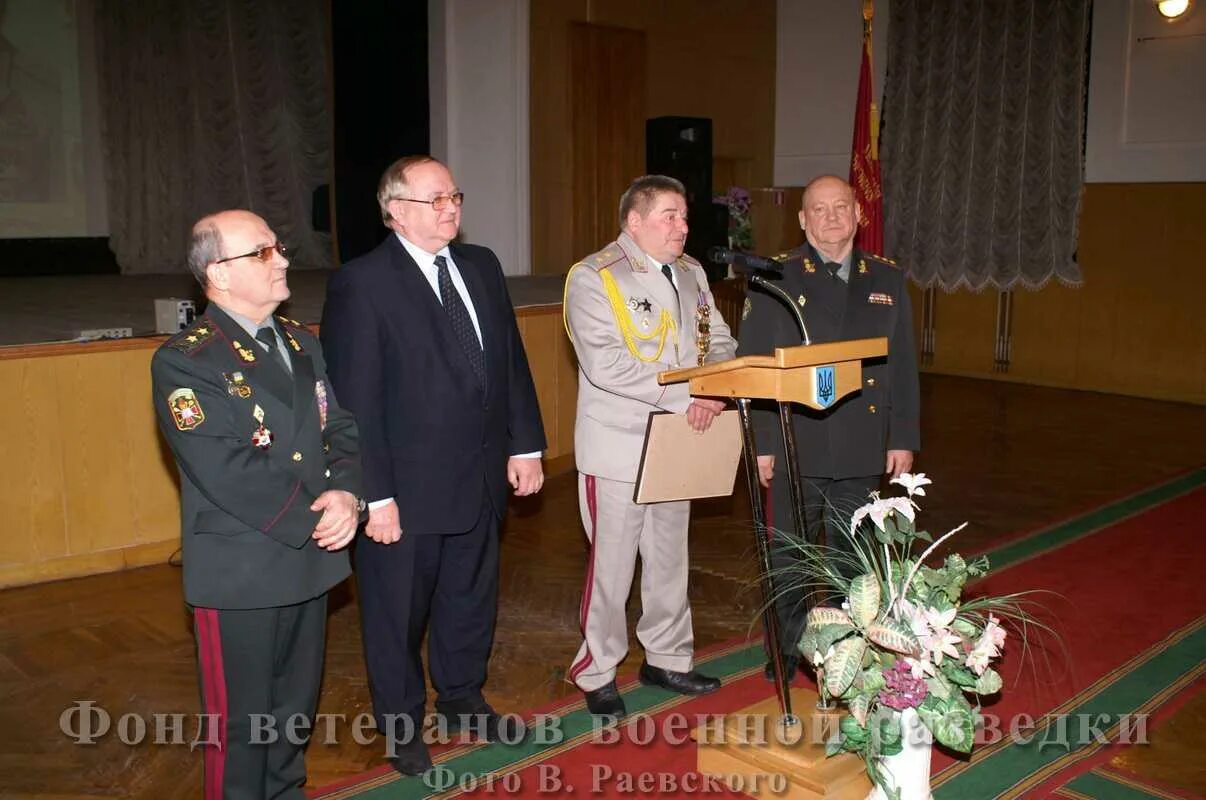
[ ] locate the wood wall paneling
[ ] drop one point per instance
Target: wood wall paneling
(703, 58)
(607, 123)
(89, 485)
(1135, 326)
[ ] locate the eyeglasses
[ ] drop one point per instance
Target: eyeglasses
(439, 203)
(263, 254)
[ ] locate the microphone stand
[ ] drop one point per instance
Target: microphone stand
(757, 279)
(796, 493)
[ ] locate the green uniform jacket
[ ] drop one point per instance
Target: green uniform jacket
(850, 439)
(246, 522)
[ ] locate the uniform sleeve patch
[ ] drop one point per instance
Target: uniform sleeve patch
(186, 410)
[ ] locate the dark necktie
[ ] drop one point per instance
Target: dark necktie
(669, 273)
(462, 325)
(268, 336)
(834, 270)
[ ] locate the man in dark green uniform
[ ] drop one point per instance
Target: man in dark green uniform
(269, 486)
(845, 450)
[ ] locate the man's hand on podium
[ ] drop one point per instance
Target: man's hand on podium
(702, 411)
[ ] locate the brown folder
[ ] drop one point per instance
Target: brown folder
(680, 464)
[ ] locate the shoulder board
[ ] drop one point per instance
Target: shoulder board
(602, 259)
(292, 323)
(192, 338)
(788, 255)
(689, 260)
(882, 260)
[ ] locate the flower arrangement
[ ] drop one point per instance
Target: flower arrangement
(904, 641)
(741, 230)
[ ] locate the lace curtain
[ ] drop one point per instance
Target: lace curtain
(983, 140)
(210, 105)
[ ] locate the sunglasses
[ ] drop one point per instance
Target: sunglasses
(263, 254)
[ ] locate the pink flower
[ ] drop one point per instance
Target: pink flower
(902, 689)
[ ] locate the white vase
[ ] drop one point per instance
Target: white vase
(908, 770)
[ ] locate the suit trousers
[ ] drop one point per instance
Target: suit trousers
(828, 504)
(443, 583)
(618, 529)
(257, 664)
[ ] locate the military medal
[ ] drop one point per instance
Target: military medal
(297, 348)
(261, 437)
(703, 328)
(236, 385)
(186, 411)
(320, 393)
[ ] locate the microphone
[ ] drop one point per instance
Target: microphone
(747, 262)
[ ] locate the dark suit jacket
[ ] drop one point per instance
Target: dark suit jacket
(430, 436)
(850, 439)
(245, 511)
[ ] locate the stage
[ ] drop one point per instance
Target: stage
(55, 308)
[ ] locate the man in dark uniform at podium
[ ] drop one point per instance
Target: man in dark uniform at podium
(845, 450)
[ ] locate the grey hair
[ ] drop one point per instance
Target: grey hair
(639, 195)
(204, 248)
(393, 182)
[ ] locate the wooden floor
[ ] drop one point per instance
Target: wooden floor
(1004, 457)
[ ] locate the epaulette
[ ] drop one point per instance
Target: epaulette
(602, 259)
(192, 338)
(292, 323)
(882, 260)
(691, 260)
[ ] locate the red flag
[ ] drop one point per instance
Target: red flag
(864, 155)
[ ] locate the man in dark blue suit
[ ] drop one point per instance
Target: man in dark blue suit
(423, 348)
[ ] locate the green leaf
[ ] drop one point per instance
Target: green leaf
(854, 732)
(843, 665)
(823, 615)
(829, 635)
(873, 681)
(894, 636)
(864, 600)
(956, 729)
(957, 674)
(965, 628)
(989, 682)
(924, 536)
(860, 704)
(808, 643)
(940, 688)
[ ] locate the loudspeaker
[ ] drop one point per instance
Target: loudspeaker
(681, 147)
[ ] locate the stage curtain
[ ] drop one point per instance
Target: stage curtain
(983, 140)
(209, 105)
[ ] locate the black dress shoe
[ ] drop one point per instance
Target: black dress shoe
(411, 756)
(790, 665)
(479, 720)
(682, 682)
(606, 702)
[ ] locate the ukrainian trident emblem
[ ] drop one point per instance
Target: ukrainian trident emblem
(824, 387)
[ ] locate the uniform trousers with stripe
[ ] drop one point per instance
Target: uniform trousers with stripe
(258, 665)
(618, 530)
(828, 504)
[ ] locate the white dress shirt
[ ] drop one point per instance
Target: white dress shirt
(431, 272)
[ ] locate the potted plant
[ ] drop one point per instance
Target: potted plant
(906, 654)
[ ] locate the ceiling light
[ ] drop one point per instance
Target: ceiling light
(1173, 9)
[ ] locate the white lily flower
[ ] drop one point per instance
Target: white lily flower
(912, 483)
(880, 508)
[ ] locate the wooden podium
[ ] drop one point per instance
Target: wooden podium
(769, 737)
